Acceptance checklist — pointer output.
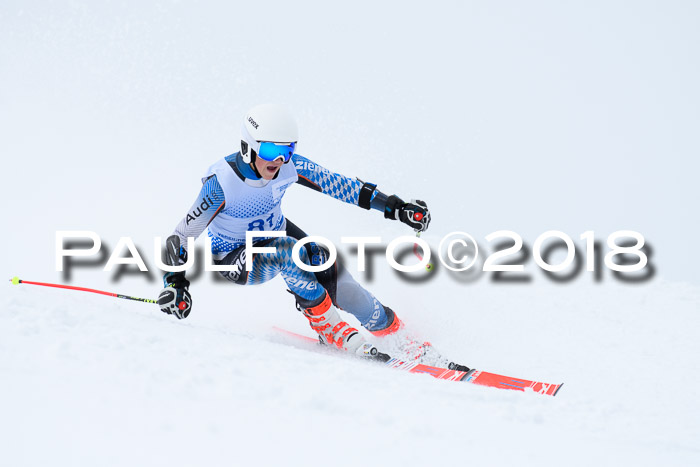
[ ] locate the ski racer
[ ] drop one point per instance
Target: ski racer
(243, 191)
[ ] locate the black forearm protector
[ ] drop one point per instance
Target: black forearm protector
(366, 192)
(391, 210)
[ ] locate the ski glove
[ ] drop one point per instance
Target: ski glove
(414, 214)
(175, 301)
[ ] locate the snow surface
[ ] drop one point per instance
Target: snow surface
(88, 380)
(525, 116)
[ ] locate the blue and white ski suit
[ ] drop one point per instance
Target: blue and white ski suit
(234, 200)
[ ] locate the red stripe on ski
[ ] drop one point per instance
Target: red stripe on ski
(434, 371)
(481, 378)
(484, 378)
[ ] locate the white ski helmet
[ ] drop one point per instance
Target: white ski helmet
(268, 123)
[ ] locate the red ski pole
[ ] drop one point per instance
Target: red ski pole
(16, 280)
(428, 266)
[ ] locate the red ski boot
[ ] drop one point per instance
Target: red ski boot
(332, 330)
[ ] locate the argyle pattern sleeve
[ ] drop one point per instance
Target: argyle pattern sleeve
(321, 179)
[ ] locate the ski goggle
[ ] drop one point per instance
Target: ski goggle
(273, 151)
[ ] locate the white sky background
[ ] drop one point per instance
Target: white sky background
(526, 116)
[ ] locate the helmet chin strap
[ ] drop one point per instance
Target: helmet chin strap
(246, 148)
(255, 169)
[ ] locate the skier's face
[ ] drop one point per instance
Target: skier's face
(266, 168)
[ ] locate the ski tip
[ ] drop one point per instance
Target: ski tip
(16, 280)
(557, 391)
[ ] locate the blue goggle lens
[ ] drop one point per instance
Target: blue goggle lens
(272, 151)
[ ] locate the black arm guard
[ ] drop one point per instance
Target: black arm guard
(366, 193)
(391, 211)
